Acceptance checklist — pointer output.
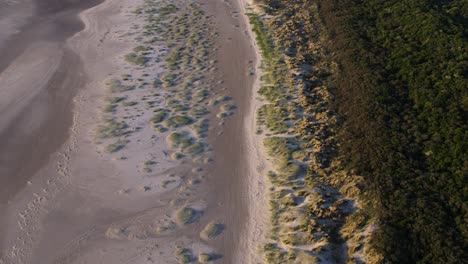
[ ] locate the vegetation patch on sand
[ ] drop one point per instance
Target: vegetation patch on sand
(194, 148)
(166, 85)
(187, 215)
(175, 138)
(177, 121)
(116, 146)
(116, 86)
(113, 128)
(160, 116)
(136, 59)
(116, 99)
(211, 231)
(184, 255)
(204, 258)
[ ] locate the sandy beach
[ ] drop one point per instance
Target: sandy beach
(142, 150)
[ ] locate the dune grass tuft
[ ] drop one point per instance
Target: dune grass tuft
(204, 258)
(136, 59)
(211, 231)
(184, 255)
(115, 100)
(177, 121)
(112, 128)
(116, 146)
(159, 116)
(116, 86)
(194, 148)
(186, 215)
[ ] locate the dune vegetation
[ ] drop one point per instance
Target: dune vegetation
(373, 94)
(404, 98)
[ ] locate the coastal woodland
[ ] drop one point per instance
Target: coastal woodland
(395, 78)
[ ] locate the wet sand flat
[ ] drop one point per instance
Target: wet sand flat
(38, 79)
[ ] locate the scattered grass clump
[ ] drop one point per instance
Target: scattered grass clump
(126, 77)
(136, 59)
(204, 258)
(175, 138)
(201, 95)
(186, 215)
(141, 49)
(159, 116)
(150, 162)
(184, 255)
(167, 10)
(227, 107)
(166, 183)
(177, 121)
(211, 231)
(128, 104)
(116, 86)
(110, 108)
(273, 117)
(180, 108)
(274, 254)
(177, 156)
(289, 170)
(173, 60)
(116, 99)
(194, 148)
(271, 92)
(220, 99)
(169, 79)
(112, 128)
(198, 111)
(222, 115)
(116, 146)
(156, 83)
(160, 129)
(201, 127)
(261, 35)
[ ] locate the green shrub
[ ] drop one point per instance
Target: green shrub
(110, 108)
